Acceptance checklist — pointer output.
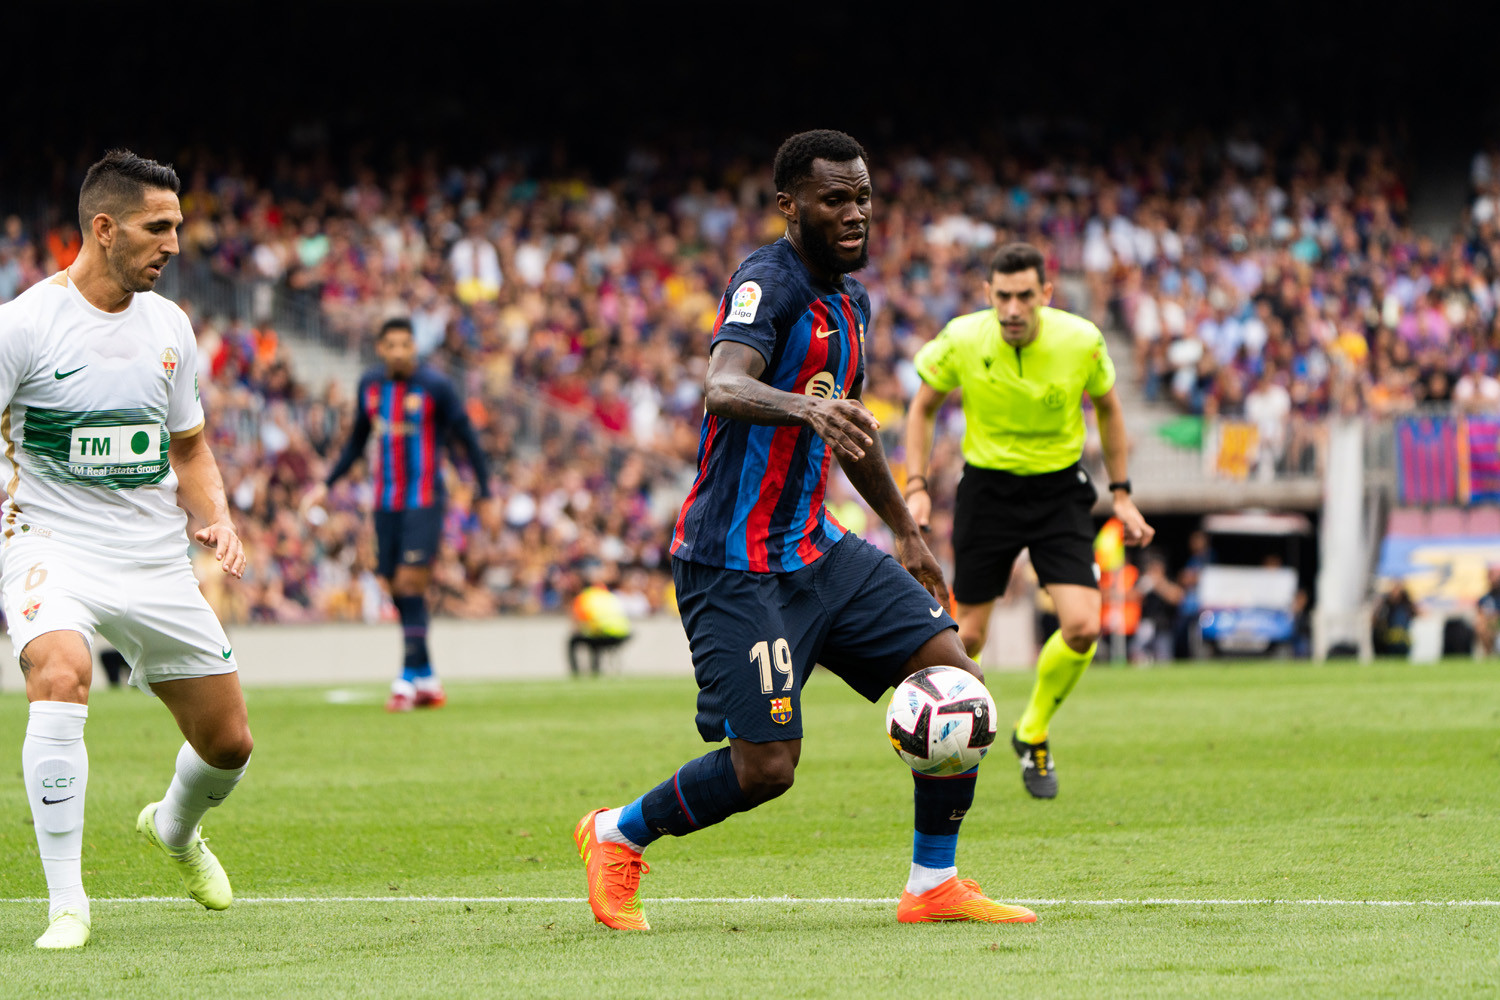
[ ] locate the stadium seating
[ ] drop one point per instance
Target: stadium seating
(1265, 283)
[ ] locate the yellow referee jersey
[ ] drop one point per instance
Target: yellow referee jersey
(1022, 406)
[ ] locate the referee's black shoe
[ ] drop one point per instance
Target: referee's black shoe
(1038, 770)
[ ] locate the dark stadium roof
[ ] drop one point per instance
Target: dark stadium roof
(472, 76)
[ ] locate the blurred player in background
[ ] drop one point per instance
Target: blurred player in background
(104, 451)
(599, 618)
(412, 411)
(1023, 368)
(767, 582)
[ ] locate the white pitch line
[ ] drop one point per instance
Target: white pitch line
(823, 900)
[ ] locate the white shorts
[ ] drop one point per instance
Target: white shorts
(152, 612)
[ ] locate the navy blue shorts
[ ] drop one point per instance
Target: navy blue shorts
(756, 636)
(406, 538)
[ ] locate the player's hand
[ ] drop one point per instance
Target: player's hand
(225, 541)
(490, 513)
(312, 498)
(913, 553)
(844, 424)
(1136, 530)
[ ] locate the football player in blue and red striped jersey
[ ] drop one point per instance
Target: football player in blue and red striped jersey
(412, 412)
(768, 582)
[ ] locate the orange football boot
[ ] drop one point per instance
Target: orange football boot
(959, 899)
(614, 874)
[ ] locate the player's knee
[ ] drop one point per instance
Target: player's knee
(228, 751)
(766, 774)
(767, 783)
(971, 665)
(68, 686)
(973, 637)
(60, 680)
(1080, 635)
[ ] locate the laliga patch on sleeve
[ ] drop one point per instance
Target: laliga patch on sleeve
(746, 301)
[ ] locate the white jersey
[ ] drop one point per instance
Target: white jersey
(91, 401)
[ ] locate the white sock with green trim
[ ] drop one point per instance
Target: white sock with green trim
(55, 766)
(196, 788)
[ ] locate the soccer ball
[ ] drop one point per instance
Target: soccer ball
(941, 721)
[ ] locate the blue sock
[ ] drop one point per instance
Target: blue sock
(413, 612)
(931, 850)
(941, 804)
(702, 792)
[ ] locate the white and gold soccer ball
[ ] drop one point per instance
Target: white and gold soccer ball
(941, 720)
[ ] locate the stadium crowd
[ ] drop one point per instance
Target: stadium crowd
(1291, 289)
(1268, 281)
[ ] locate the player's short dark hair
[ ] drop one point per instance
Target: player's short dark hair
(1013, 258)
(118, 183)
(394, 323)
(794, 159)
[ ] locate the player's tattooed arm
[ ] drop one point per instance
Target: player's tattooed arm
(733, 389)
(871, 475)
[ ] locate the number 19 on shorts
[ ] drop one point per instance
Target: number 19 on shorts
(778, 654)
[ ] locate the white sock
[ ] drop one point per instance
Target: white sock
(55, 767)
(402, 686)
(196, 788)
(924, 879)
(429, 684)
(607, 827)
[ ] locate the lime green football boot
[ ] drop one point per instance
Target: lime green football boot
(69, 929)
(202, 875)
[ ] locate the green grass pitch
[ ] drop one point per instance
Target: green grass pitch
(1257, 788)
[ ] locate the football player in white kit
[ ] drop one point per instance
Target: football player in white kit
(104, 459)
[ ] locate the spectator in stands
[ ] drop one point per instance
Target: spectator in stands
(1477, 391)
(1160, 597)
(1220, 263)
(477, 275)
(1487, 618)
(1268, 406)
(1394, 615)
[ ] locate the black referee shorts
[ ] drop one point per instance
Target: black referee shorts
(997, 514)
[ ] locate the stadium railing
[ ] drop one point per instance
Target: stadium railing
(229, 297)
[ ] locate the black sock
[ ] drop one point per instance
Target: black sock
(413, 612)
(941, 804)
(702, 792)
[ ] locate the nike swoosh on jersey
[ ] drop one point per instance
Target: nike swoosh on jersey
(62, 375)
(936, 612)
(823, 334)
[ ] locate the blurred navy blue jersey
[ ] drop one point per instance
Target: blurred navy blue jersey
(411, 420)
(757, 502)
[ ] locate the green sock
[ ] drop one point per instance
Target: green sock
(1057, 670)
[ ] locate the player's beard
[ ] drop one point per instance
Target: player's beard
(822, 253)
(132, 280)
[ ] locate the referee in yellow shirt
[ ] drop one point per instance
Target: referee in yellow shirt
(1023, 369)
